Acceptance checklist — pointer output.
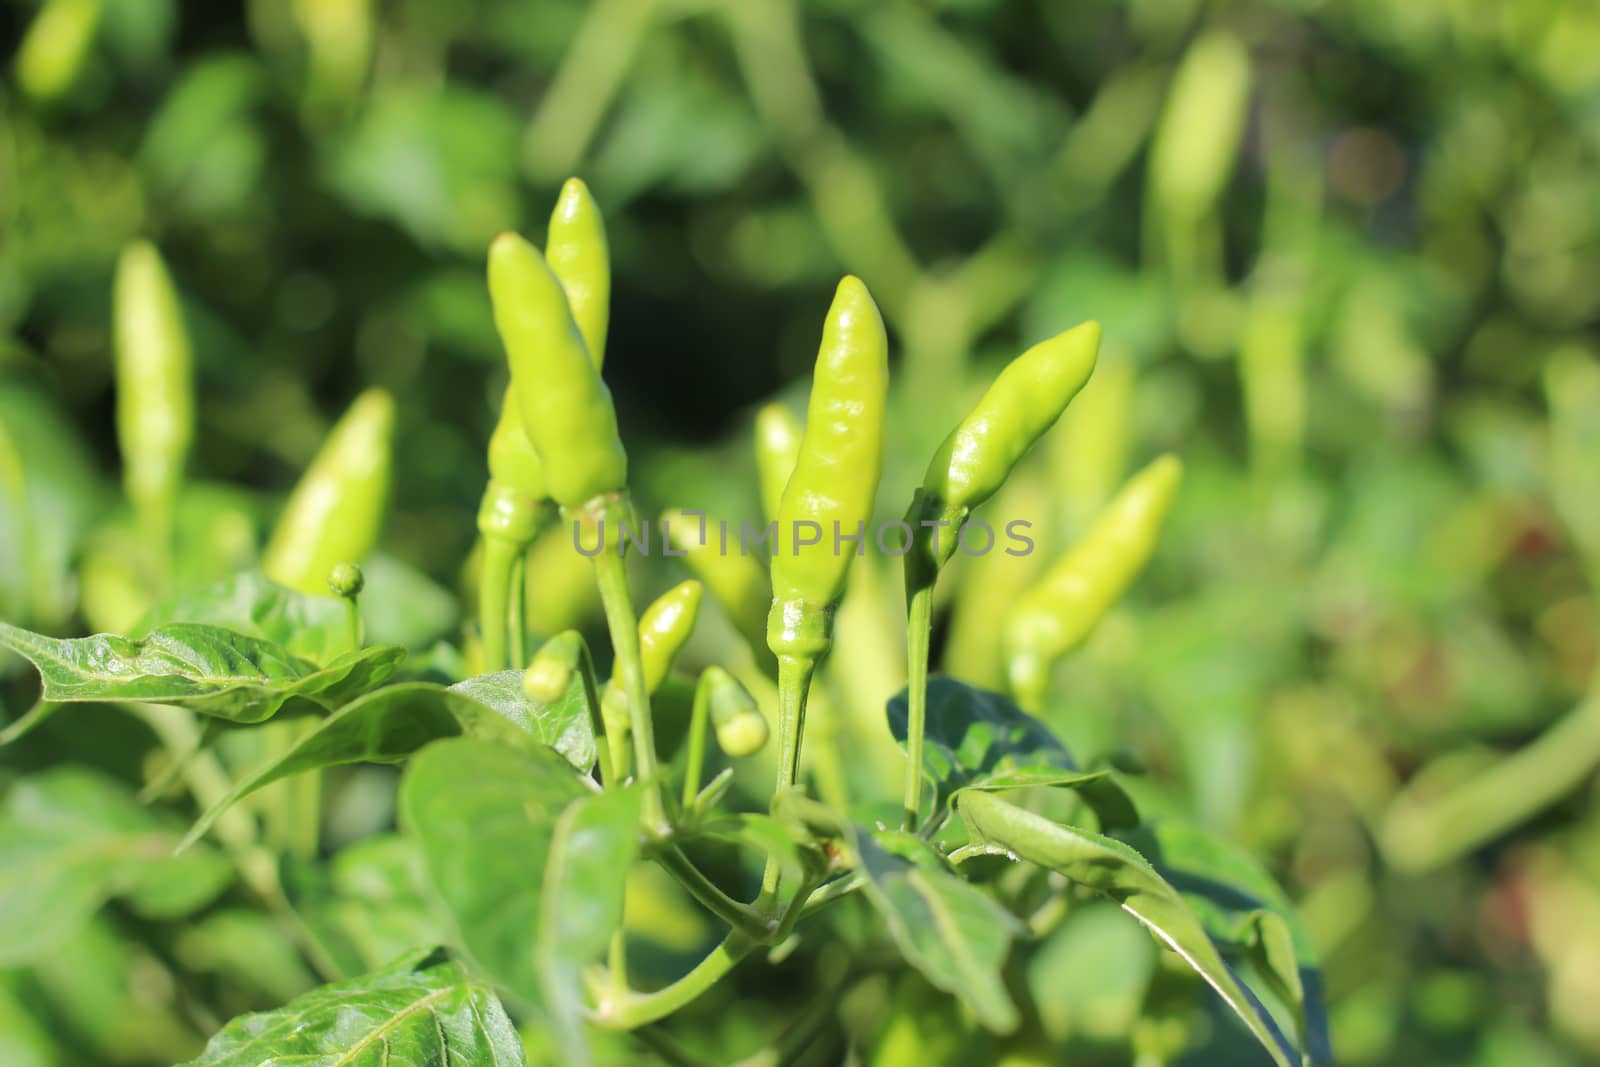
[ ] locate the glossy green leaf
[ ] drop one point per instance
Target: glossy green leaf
(389, 724)
(70, 839)
(1243, 908)
(484, 815)
(1111, 867)
(565, 724)
(595, 843)
(206, 668)
(423, 1009)
(310, 627)
(976, 739)
(948, 929)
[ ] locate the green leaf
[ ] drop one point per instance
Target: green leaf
(951, 931)
(484, 815)
(70, 839)
(595, 844)
(248, 948)
(369, 904)
(565, 724)
(423, 1009)
(973, 734)
(206, 668)
(402, 606)
(316, 628)
(976, 739)
(1243, 908)
(389, 724)
(1113, 868)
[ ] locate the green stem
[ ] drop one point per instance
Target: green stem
(516, 621)
(494, 599)
(632, 1010)
(794, 685)
(234, 829)
(741, 917)
(1420, 836)
(919, 625)
(303, 801)
(694, 764)
(623, 624)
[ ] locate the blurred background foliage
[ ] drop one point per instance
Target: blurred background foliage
(1347, 259)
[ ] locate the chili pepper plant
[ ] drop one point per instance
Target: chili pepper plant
(598, 855)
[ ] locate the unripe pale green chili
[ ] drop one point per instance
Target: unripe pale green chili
(566, 409)
(972, 464)
(741, 729)
(335, 513)
(737, 582)
(155, 387)
(777, 434)
(832, 488)
(664, 628)
(974, 461)
(1198, 137)
(1088, 452)
(551, 672)
(57, 43)
(515, 506)
(577, 252)
(1059, 612)
(835, 475)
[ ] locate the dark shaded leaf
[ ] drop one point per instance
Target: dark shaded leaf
(976, 739)
(1113, 868)
(423, 1009)
(1243, 908)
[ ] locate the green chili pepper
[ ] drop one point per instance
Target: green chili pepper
(336, 510)
(155, 386)
(663, 629)
(778, 435)
(835, 474)
(741, 729)
(566, 409)
(975, 460)
(1088, 453)
(576, 250)
(515, 505)
(52, 54)
(736, 581)
(1197, 141)
(1060, 611)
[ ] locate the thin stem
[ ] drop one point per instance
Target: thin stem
(919, 624)
(741, 917)
(837, 889)
(695, 761)
(794, 685)
(612, 577)
(303, 800)
(516, 622)
(633, 1010)
(494, 599)
(208, 783)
